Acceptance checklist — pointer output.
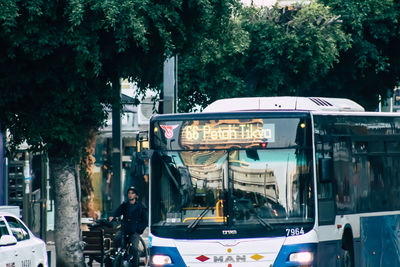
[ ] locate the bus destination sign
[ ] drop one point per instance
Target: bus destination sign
(226, 132)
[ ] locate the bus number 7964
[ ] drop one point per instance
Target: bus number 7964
(294, 231)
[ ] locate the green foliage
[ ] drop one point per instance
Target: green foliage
(207, 67)
(58, 57)
(291, 47)
(325, 48)
(372, 65)
(263, 52)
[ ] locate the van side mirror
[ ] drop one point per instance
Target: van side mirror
(7, 240)
(325, 170)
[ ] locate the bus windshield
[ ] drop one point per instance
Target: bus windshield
(233, 192)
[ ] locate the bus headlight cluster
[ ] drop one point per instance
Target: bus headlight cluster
(302, 257)
(161, 260)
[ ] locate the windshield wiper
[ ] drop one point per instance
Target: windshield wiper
(197, 220)
(264, 223)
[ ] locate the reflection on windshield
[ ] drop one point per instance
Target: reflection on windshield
(235, 187)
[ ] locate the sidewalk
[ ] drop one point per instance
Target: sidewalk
(51, 256)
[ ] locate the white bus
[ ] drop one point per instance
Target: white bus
(275, 181)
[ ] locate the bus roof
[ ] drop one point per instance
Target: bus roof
(284, 103)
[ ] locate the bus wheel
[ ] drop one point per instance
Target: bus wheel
(347, 259)
(347, 255)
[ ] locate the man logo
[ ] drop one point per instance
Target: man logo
(169, 130)
(230, 258)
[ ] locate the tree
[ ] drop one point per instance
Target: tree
(291, 47)
(208, 68)
(326, 48)
(264, 52)
(58, 60)
(372, 66)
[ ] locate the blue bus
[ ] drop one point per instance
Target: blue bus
(275, 181)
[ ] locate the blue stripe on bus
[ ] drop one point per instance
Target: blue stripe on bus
(328, 252)
(282, 260)
(170, 251)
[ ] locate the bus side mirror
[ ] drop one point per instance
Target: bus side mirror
(325, 170)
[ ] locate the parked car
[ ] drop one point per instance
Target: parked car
(18, 245)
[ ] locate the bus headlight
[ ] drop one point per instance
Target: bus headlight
(302, 257)
(161, 260)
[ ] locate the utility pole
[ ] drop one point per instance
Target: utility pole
(170, 86)
(27, 189)
(3, 171)
(116, 144)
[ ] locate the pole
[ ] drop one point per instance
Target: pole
(116, 144)
(27, 190)
(170, 86)
(3, 174)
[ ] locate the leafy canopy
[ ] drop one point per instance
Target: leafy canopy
(263, 52)
(58, 58)
(372, 65)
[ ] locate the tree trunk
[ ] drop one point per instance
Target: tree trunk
(86, 166)
(67, 229)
